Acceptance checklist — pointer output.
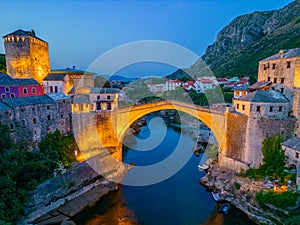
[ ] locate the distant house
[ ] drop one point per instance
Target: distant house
(155, 88)
(189, 85)
(172, 84)
(57, 83)
(19, 87)
(205, 84)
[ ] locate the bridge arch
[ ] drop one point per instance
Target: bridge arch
(214, 119)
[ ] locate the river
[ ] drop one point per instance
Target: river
(178, 200)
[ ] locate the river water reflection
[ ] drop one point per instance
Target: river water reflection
(178, 200)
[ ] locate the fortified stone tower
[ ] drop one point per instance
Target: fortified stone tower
(27, 56)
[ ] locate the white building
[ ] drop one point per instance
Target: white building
(57, 83)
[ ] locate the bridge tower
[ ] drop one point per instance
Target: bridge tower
(27, 56)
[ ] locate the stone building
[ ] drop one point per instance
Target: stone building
(292, 151)
(31, 118)
(258, 115)
(240, 91)
(57, 83)
(18, 87)
(270, 104)
(78, 78)
(283, 70)
(27, 56)
(95, 100)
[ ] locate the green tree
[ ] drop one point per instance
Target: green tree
(101, 82)
(274, 157)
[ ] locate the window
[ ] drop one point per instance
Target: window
(269, 78)
(257, 108)
(48, 117)
(237, 93)
(86, 105)
(281, 90)
(33, 108)
(98, 105)
(108, 106)
(11, 126)
(237, 106)
(3, 96)
(61, 115)
(282, 80)
(275, 80)
(297, 155)
(280, 109)
(33, 90)
(243, 107)
(98, 97)
(48, 107)
(288, 65)
(92, 106)
(108, 97)
(24, 122)
(55, 89)
(273, 66)
(51, 89)
(7, 89)
(25, 91)
(12, 95)
(80, 107)
(34, 120)
(271, 109)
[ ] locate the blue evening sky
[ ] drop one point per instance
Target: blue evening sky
(79, 31)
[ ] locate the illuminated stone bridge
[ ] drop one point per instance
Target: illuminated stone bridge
(101, 133)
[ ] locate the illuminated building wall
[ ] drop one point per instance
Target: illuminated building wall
(27, 56)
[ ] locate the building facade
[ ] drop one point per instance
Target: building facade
(57, 83)
(27, 56)
(95, 100)
(31, 118)
(19, 87)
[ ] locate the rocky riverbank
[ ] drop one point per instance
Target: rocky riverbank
(240, 192)
(63, 214)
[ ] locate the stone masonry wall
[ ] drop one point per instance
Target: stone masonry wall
(260, 128)
(236, 137)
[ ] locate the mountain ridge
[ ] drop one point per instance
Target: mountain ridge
(245, 41)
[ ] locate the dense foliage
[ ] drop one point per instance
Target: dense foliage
(273, 161)
(22, 170)
(281, 200)
(2, 64)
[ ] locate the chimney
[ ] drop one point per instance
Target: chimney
(73, 67)
(281, 54)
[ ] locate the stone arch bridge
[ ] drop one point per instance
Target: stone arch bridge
(101, 133)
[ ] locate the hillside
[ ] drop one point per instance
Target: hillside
(248, 39)
(2, 64)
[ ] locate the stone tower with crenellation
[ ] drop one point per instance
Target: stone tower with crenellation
(27, 56)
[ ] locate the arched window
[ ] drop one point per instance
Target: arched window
(48, 117)
(7, 89)
(34, 120)
(3, 96)
(23, 122)
(25, 91)
(12, 95)
(33, 90)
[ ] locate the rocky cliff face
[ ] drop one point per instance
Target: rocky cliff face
(249, 38)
